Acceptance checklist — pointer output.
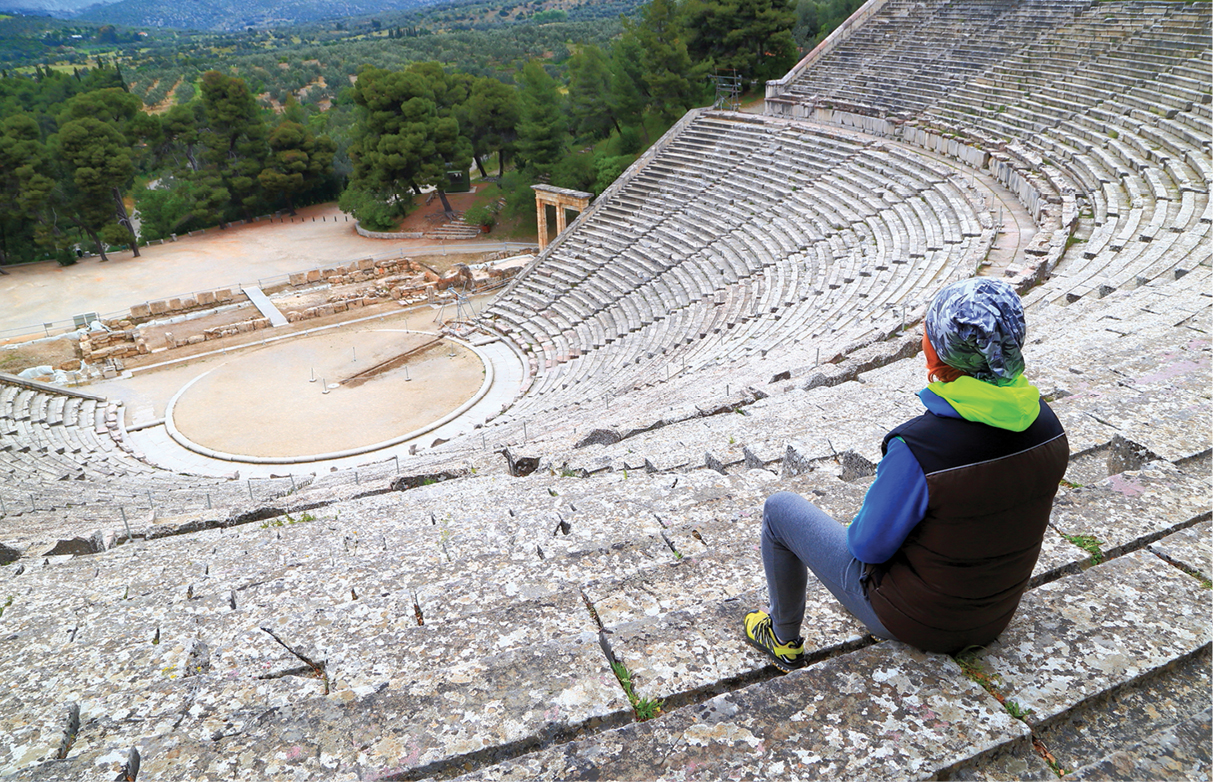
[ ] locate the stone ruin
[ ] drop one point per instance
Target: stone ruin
(437, 617)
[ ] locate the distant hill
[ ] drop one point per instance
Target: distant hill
(218, 15)
(63, 9)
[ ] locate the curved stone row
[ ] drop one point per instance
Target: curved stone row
(66, 469)
(742, 237)
(1105, 115)
(1126, 124)
(912, 52)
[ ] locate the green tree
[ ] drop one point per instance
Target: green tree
(297, 161)
(403, 143)
(629, 93)
(752, 37)
(97, 166)
(124, 112)
(26, 184)
(673, 81)
(590, 103)
(542, 131)
(232, 134)
(815, 19)
(491, 119)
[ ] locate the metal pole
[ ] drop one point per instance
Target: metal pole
(326, 385)
(250, 488)
(397, 458)
(129, 536)
(524, 437)
(208, 500)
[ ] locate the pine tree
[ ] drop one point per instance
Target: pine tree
(589, 102)
(542, 131)
(674, 82)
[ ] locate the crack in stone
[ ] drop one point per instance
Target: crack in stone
(70, 729)
(317, 667)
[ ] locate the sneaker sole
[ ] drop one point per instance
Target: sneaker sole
(778, 663)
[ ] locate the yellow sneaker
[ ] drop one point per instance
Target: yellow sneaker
(761, 635)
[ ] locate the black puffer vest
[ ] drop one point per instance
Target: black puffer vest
(957, 579)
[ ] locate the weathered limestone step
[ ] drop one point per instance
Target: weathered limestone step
(1083, 636)
(1160, 400)
(1109, 727)
(1133, 508)
(368, 646)
(702, 646)
(883, 712)
(1190, 549)
(1181, 750)
(412, 724)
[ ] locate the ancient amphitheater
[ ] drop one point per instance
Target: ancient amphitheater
(737, 314)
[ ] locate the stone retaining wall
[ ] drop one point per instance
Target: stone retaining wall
(177, 305)
(397, 279)
(122, 341)
(387, 234)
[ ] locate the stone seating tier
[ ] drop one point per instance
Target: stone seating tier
(630, 567)
(236, 643)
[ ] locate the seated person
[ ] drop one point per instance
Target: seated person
(949, 532)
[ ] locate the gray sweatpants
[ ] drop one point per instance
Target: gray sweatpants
(797, 536)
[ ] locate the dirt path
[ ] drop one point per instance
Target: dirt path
(34, 294)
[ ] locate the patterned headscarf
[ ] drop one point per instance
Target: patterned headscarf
(977, 326)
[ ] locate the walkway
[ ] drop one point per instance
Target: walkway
(267, 308)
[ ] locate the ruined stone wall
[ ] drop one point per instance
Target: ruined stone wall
(122, 341)
(181, 304)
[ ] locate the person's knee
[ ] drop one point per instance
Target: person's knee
(776, 509)
(779, 502)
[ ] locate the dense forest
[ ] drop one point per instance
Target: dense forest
(229, 127)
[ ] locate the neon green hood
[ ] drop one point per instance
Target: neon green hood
(1013, 407)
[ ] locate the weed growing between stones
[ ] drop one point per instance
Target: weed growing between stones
(7, 603)
(1017, 711)
(1070, 484)
(645, 708)
(1088, 543)
(286, 518)
(970, 663)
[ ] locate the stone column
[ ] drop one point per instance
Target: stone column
(541, 217)
(562, 199)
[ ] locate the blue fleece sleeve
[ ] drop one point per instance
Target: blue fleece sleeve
(893, 506)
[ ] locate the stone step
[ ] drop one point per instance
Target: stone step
(1083, 638)
(1121, 733)
(1182, 747)
(883, 712)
